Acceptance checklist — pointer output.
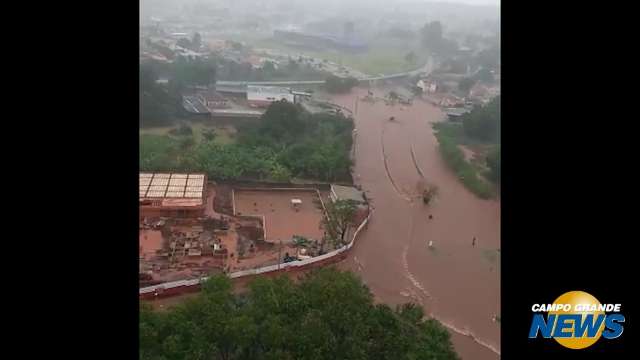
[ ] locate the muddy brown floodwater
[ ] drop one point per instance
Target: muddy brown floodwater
(456, 282)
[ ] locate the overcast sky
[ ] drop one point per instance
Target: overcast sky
(475, 2)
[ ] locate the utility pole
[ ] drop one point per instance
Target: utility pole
(280, 255)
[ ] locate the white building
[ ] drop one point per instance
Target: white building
(263, 96)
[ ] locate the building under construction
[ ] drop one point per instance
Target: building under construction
(172, 195)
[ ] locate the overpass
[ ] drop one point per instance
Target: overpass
(270, 83)
(427, 68)
(311, 82)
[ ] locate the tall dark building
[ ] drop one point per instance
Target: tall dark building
(348, 30)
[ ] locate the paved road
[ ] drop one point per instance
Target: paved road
(456, 282)
(427, 68)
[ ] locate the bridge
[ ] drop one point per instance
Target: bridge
(426, 69)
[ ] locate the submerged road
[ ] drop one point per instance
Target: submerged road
(455, 281)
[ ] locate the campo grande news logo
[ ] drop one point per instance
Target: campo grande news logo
(576, 320)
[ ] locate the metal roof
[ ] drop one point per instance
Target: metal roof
(347, 193)
(173, 186)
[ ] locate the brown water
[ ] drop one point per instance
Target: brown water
(454, 281)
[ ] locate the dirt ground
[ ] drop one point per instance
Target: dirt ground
(150, 241)
(282, 220)
(221, 200)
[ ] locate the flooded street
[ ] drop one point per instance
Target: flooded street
(455, 280)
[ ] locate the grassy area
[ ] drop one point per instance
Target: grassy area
(224, 134)
(449, 137)
(382, 58)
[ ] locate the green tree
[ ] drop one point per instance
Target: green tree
(282, 121)
(280, 173)
(489, 58)
(484, 75)
(187, 143)
(197, 72)
(209, 134)
(269, 67)
(329, 314)
(493, 162)
(466, 84)
(293, 65)
(411, 58)
(196, 42)
(158, 153)
(340, 214)
(483, 123)
(157, 105)
(184, 43)
(431, 35)
(183, 130)
(337, 85)
(288, 142)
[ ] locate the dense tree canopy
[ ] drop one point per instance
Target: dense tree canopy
(196, 42)
(483, 123)
(484, 75)
(184, 43)
(287, 142)
(193, 72)
(158, 106)
(432, 39)
(327, 315)
(466, 84)
(489, 58)
(336, 85)
(431, 34)
(309, 145)
(493, 162)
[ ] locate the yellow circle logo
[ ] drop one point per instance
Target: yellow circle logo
(577, 301)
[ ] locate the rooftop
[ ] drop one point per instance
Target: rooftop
(212, 95)
(347, 193)
(268, 89)
(182, 189)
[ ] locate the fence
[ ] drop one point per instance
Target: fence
(193, 285)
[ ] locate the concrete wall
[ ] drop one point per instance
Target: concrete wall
(190, 286)
(149, 211)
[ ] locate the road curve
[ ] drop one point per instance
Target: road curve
(454, 281)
